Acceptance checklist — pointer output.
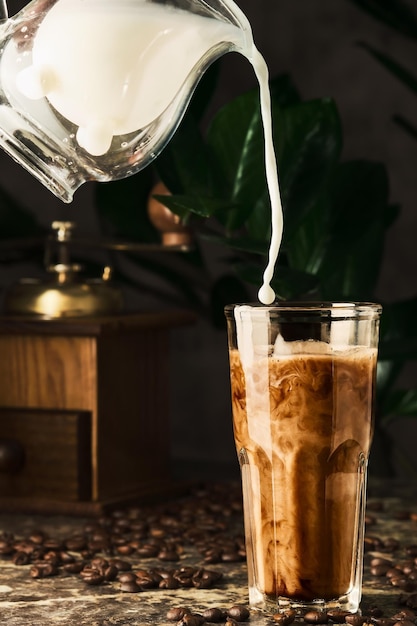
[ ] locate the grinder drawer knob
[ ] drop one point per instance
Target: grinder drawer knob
(12, 456)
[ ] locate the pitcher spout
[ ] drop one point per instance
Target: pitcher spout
(94, 89)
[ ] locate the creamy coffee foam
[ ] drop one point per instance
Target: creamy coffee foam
(303, 430)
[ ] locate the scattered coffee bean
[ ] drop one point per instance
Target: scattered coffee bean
(337, 616)
(43, 570)
(130, 587)
(169, 582)
(316, 617)
(404, 614)
(285, 618)
(238, 612)
(214, 615)
(355, 619)
(177, 613)
(411, 550)
(93, 578)
(191, 619)
(73, 568)
(21, 558)
(383, 621)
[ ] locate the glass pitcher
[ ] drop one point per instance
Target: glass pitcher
(94, 89)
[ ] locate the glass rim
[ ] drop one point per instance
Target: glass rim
(321, 309)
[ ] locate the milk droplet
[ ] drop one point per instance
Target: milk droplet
(95, 138)
(266, 294)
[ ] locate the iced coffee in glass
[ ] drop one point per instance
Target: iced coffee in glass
(303, 385)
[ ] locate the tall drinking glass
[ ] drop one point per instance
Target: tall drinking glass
(303, 386)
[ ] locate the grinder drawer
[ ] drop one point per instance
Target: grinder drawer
(45, 453)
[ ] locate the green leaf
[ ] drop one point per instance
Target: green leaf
(242, 244)
(235, 138)
(185, 165)
(401, 403)
(309, 141)
(356, 230)
(198, 204)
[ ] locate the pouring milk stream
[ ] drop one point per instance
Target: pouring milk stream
(94, 89)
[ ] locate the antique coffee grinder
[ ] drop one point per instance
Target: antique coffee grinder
(84, 390)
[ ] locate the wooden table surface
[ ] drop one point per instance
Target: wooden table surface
(210, 517)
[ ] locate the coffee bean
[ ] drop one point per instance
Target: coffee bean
(110, 573)
(337, 616)
(121, 565)
(21, 558)
(403, 583)
(404, 614)
(147, 582)
(147, 551)
(411, 601)
(355, 619)
(177, 613)
(405, 622)
(214, 615)
(191, 619)
(185, 581)
(168, 555)
(391, 544)
(285, 618)
(92, 577)
(213, 556)
(126, 577)
(238, 612)
(169, 583)
(411, 550)
(316, 617)
(124, 550)
(38, 537)
(379, 562)
(73, 568)
(41, 570)
(75, 544)
(383, 621)
(231, 557)
(379, 570)
(130, 587)
(66, 557)
(6, 547)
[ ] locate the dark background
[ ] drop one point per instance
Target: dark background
(315, 41)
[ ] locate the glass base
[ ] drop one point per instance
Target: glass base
(349, 603)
